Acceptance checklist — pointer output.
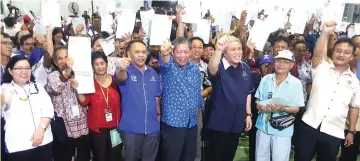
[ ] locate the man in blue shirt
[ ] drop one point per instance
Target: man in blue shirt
(230, 100)
(27, 49)
(181, 99)
(140, 107)
(275, 121)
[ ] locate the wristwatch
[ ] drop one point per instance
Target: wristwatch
(352, 132)
(42, 127)
(249, 114)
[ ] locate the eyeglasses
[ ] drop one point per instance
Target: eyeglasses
(29, 44)
(22, 69)
(7, 43)
(346, 52)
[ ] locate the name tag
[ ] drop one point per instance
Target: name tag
(108, 115)
(75, 111)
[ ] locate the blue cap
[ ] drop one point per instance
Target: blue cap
(266, 59)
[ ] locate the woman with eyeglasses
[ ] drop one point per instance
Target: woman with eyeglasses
(27, 110)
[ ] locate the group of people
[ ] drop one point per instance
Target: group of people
(184, 100)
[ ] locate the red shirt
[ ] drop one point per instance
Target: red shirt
(97, 106)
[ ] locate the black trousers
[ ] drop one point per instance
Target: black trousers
(222, 146)
(179, 144)
(41, 153)
(311, 141)
(66, 150)
(102, 148)
(350, 153)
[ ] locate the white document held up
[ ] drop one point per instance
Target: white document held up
(108, 45)
(160, 29)
(357, 29)
(192, 11)
(125, 22)
(298, 20)
(79, 21)
(146, 17)
(223, 20)
(273, 101)
(50, 13)
(202, 30)
(80, 51)
(259, 34)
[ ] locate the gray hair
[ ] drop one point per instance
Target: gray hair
(180, 41)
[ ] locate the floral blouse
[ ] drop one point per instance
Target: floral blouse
(64, 101)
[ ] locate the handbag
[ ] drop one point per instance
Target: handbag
(281, 122)
(58, 129)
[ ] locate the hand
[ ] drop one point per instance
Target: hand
(73, 83)
(349, 140)
(221, 44)
(251, 47)
(80, 28)
(248, 122)
(6, 96)
(279, 108)
(243, 15)
(329, 28)
(40, 40)
(69, 62)
(126, 38)
(37, 137)
(166, 48)
(287, 26)
(142, 33)
(179, 13)
(124, 64)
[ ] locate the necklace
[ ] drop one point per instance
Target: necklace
(27, 94)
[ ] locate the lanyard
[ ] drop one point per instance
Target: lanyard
(26, 93)
(107, 94)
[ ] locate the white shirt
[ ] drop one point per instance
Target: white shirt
(331, 95)
(11, 31)
(23, 117)
(41, 74)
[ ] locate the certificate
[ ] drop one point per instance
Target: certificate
(160, 29)
(79, 21)
(125, 22)
(146, 17)
(50, 13)
(80, 50)
(202, 30)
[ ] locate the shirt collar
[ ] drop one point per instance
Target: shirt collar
(346, 72)
(287, 80)
(132, 66)
(225, 63)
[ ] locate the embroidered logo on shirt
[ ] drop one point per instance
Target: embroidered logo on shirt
(133, 78)
(152, 79)
(244, 75)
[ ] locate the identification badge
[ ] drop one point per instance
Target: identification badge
(108, 115)
(75, 111)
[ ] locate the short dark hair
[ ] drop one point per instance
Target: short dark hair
(105, 34)
(197, 38)
(95, 39)
(5, 35)
(56, 31)
(98, 54)
(7, 77)
(210, 44)
(355, 37)
(345, 40)
(128, 48)
(279, 39)
(24, 38)
(9, 22)
(300, 42)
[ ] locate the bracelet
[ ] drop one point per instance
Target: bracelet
(159, 114)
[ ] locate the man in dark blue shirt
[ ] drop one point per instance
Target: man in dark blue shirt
(181, 100)
(140, 106)
(230, 100)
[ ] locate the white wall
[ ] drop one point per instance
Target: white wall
(84, 5)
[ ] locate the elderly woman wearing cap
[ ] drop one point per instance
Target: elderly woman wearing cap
(275, 121)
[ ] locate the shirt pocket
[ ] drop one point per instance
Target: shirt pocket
(346, 94)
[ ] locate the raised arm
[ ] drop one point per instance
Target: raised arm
(214, 62)
(121, 74)
(180, 29)
(165, 52)
(320, 51)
